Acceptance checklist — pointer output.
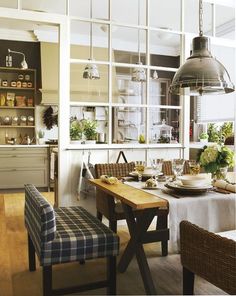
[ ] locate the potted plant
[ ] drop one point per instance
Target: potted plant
(40, 137)
(90, 131)
(204, 137)
(76, 131)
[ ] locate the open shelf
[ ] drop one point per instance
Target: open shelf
(17, 107)
(17, 126)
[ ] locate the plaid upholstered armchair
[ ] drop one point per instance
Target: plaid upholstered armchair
(208, 255)
(112, 210)
(64, 235)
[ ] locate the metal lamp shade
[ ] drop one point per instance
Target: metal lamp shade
(91, 72)
(139, 74)
(201, 73)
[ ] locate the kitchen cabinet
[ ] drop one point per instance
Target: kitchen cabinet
(17, 105)
(19, 166)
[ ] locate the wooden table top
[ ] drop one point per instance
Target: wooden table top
(136, 198)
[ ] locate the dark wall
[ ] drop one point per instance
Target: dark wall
(32, 55)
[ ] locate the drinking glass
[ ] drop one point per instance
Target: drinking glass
(157, 165)
(177, 166)
(194, 167)
(139, 168)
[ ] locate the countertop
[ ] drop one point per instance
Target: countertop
(24, 146)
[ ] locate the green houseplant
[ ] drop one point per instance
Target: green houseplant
(90, 131)
(40, 137)
(76, 131)
(203, 137)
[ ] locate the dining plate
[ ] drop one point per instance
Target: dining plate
(176, 187)
(135, 174)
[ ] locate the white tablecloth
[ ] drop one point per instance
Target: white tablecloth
(213, 211)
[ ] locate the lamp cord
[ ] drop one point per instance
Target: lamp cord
(91, 30)
(200, 18)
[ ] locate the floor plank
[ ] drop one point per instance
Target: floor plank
(16, 280)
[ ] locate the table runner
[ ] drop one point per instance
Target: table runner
(213, 211)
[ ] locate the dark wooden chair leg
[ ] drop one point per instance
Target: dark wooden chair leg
(111, 275)
(82, 262)
(188, 282)
(113, 225)
(31, 254)
(99, 216)
(162, 223)
(47, 280)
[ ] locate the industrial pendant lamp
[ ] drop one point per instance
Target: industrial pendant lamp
(201, 73)
(91, 70)
(139, 74)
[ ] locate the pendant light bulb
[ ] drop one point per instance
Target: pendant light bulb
(201, 74)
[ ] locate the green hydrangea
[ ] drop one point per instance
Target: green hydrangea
(214, 157)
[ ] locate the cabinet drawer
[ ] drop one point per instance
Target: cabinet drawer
(16, 178)
(23, 161)
(25, 150)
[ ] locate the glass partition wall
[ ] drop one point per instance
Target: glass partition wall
(122, 45)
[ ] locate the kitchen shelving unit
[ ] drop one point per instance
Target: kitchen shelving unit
(9, 76)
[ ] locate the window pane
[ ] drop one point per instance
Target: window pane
(87, 90)
(126, 46)
(126, 11)
(191, 21)
(164, 49)
(8, 4)
(164, 125)
(165, 14)
(52, 6)
(159, 89)
(82, 41)
(125, 90)
(128, 125)
(81, 8)
(225, 22)
(98, 115)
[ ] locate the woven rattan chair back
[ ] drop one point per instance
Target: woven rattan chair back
(167, 168)
(209, 256)
(114, 169)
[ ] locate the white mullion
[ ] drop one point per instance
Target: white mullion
(182, 16)
(165, 69)
(82, 61)
(110, 121)
(68, 7)
(148, 72)
(213, 6)
(19, 4)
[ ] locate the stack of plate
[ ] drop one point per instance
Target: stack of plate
(191, 184)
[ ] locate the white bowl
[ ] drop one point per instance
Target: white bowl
(194, 181)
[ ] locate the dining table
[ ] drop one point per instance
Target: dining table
(146, 205)
(214, 210)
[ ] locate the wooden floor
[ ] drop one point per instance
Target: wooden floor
(16, 280)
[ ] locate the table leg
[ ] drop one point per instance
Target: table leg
(137, 229)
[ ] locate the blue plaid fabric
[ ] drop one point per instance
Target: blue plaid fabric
(78, 236)
(40, 218)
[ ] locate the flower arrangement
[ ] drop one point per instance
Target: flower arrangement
(213, 158)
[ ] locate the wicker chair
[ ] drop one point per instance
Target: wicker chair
(208, 255)
(112, 209)
(167, 168)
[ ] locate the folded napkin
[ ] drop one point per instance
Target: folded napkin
(225, 185)
(109, 180)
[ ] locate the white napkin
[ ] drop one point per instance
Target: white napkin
(223, 184)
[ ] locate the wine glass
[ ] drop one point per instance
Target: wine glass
(139, 168)
(177, 166)
(194, 167)
(157, 165)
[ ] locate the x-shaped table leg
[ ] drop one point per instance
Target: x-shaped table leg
(137, 229)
